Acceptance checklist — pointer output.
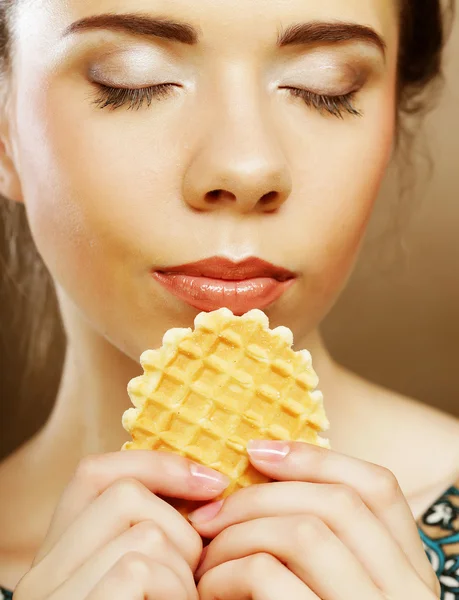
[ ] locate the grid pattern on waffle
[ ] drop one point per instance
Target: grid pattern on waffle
(220, 386)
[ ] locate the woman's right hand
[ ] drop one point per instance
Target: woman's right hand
(113, 538)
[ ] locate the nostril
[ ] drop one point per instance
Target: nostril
(213, 195)
(268, 198)
(268, 201)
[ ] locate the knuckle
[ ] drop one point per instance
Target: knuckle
(126, 493)
(134, 565)
(309, 530)
(385, 488)
(346, 499)
(258, 565)
(137, 568)
(150, 535)
(88, 469)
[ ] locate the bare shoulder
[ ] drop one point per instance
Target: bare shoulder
(423, 430)
(417, 442)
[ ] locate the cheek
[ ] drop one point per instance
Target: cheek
(85, 211)
(89, 216)
(340, 183)
(359, 169)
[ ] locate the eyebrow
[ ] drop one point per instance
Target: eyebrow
(298, 34)
(330, 33)
(138, 25)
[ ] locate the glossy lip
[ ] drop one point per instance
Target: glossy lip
(219, 282)
(228, 270)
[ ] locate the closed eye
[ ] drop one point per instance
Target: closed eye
(136, 98)
(132, 98)
(336, 106)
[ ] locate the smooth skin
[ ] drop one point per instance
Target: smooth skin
(335, 528)
(112, 535)
(113, 194)
(331, 527)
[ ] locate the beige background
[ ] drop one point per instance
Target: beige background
(398, 321)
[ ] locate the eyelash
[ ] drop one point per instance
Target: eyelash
(336, 106)
(135, 98)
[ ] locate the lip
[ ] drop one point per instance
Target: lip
(219, 282)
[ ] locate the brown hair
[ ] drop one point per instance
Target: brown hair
(32, 338)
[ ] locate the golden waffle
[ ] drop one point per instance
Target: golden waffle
(207, 392)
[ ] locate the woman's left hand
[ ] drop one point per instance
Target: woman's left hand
(330, 527)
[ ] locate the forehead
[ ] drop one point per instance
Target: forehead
(218, 19)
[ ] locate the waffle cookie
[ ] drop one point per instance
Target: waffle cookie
(205, 393)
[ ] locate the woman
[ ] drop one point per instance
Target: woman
(160, 149)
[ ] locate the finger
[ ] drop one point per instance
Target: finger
(134, 577)
(161, 472)
(306, 546)
(377, 487)
(145, 539)
(340, 507)
(124, 504)
(260, 577)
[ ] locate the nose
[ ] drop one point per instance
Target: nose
(239, 166)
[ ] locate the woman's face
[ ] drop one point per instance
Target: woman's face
(267, 138)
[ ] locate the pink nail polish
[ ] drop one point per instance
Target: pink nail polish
(268, 450)
(206, 513)
(208, 478)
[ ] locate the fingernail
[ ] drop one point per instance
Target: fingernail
(268, 450)
(211, 480)
(206, 513)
